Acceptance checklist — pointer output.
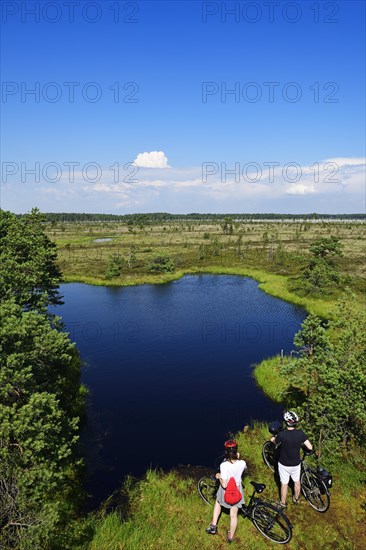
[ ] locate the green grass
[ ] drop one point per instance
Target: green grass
(165, 511)
(268, 378)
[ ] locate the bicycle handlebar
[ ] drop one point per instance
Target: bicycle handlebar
(307, 452)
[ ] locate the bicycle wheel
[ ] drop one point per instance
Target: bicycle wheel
(207, 488)
(271, 522)
(269, 454)
(315, 492)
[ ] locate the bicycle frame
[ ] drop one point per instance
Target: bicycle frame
(246, 509)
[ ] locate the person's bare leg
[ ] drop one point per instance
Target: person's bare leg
(233, 520)
(297, 489)
(284, 493)
(216, 513)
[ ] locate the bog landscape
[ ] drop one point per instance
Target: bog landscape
(314, 262)
(182, 275)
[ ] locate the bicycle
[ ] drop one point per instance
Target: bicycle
(315, 482)
(268, 518)
(315, 485)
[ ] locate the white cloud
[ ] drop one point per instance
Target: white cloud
(334, 184)
(105, 187)
(332, 177)
(348, 161)
(154, 159)
(300, 189)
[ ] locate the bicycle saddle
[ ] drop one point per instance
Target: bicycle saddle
(259, 487)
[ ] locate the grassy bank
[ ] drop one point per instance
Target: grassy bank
(164, 511)
(268, 377)
(275, 285)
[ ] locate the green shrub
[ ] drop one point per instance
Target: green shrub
(161, 264)
(114, 269)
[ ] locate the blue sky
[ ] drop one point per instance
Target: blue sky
(292, 130)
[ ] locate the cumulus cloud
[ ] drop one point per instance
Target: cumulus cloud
(301, 189)
(153, 159)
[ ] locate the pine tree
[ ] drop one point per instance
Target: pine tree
(327, 382)
(28, 272)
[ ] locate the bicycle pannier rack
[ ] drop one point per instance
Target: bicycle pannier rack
(325, 476)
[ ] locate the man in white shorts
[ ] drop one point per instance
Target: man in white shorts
(289, 462)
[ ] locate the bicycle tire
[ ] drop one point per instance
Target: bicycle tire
(314, 491)
(207, 488)
(269, 454)
(271, 522)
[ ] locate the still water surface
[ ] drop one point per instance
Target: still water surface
(169, 369)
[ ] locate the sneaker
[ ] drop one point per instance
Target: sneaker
(212, 529)
(282, 506)
(295, 500)
(228, 538)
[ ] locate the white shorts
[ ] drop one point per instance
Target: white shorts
(289, 471)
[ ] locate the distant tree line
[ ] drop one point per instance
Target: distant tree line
(161, 217)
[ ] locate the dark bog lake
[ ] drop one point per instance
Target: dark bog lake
(169, 369)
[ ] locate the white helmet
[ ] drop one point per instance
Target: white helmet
(291, 418)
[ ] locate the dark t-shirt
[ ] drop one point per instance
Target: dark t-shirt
(289, 450)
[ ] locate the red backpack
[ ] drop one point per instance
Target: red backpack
(232, 493)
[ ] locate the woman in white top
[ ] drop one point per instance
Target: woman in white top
(231, 467)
